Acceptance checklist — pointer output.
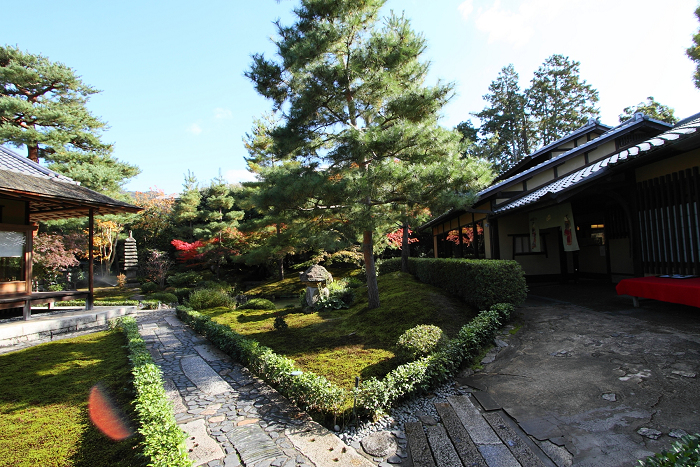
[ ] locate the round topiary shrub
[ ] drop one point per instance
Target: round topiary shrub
(258, 304)
(203, 299)
(149, 287)
(420, 341)
(163, 297)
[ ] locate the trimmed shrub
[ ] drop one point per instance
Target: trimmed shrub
(163, 441)
(185, 279)
(340, 295)
(420, 341)
(163, 297)
(682, 453)
(182, 294)
(280, 323)
(149, 287)
(209, 298)
(479, 282)
(258, 304)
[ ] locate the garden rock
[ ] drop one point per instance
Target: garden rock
(649, 433)
(380, 444)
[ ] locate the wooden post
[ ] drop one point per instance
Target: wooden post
(91, 267)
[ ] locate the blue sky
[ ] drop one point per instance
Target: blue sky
(175, 98)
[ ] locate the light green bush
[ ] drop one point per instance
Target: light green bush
(420, 341)
(258, 304)
(163, 297)
(685, 452)
(203, 299)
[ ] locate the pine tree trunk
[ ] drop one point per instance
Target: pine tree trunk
(372, 288)
(280, 269)
(33, 152)
(405, 248)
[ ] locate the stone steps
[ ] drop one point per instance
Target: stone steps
(469, 436)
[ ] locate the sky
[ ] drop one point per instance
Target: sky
(176, 99)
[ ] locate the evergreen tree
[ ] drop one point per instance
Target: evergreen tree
(43, 107)
(186, 209)
(693, 52)
(359, 125)
(650, 108)
(505, 127)
(558, 101)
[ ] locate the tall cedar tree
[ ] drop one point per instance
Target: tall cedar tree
(505, 120)
(558, 100)
(43, 107)
(360, 123)
(693, 52)
(650, 108)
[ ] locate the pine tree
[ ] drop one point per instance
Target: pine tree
(693, 52)
(650, 108)
(504, 121)
(359, 123)
(43, 107)
(186, 208)
(558, 101)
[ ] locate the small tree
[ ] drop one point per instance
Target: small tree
(107, 231)
(51, 259)
(156, 267)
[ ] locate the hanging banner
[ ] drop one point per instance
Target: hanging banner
(559, 215)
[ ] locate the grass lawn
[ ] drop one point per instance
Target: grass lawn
(343, 344)
(44, 417)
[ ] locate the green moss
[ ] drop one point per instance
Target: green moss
(43, 403)
(342, 344)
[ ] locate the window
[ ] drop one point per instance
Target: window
(521, 245)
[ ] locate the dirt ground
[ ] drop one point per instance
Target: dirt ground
(586, 371)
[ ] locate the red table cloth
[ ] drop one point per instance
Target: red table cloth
(683, 291)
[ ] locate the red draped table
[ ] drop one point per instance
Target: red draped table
(665, 289)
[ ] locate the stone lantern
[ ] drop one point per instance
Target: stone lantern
(316, 278)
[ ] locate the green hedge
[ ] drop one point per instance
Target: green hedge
(313, 392)
(307, 390)
(147, 304)
(376, 396)
(164, 441)
(479, 282)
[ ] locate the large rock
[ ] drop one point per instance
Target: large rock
(379, 444)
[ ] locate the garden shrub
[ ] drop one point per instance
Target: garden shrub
(209, 298)
(149, 287)
(182, 294)
(280, 323)
(479, 282)
(420, 341)
(185, 279)
(258, 304)
(163, 297)
(340, 295)
(163, 441)
(682, 453)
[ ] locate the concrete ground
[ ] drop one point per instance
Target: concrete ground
(585, 373)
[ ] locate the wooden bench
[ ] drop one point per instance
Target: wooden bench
(665, 289)
(40, 298)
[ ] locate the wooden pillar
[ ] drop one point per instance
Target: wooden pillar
(28, 253)
(91, 266)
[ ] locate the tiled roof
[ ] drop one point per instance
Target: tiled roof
(586, 174)
(10, 160)
(553, 161)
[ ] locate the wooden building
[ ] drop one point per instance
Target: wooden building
(30, 193)
(601, 202)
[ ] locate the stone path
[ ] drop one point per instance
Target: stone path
(231, 417)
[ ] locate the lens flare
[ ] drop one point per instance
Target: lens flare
(106, 416)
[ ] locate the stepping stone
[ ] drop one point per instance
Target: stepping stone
(253, 444)
(174, 396)
(442, 448)
(323, 448)
(480, 431)
(497, 455)
(461, 440)
(517, 446)
(173, 321)
(486, 401)
(202, 448)
(168, 339)
(203, 376)
(418, 444)
(210, 353)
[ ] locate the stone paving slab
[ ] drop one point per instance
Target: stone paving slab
(443, 451)
(515, 444)
(200, 445)
(479, 430)
(418, 444)
(467, 451)
(174, 396)
(173, 321)
(202, 375)
(253, 444)
(210, 353)
(498, 455)
(324, 448)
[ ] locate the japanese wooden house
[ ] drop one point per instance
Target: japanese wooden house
(30, 193)
(601, 202)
